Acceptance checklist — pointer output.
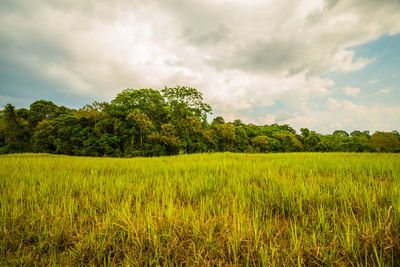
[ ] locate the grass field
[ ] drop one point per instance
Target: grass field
(332, 209)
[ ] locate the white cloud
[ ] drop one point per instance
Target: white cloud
(374, 81)
(352, 91)
(385, 91)
(346, 115)
(241, 54)
(344, 61)
(332, 104)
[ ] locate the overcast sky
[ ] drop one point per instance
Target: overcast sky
(325, 65)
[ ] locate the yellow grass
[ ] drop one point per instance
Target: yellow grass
(333, 209)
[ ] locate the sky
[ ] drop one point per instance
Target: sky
(320, 64)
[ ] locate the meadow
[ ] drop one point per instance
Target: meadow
(312, 209)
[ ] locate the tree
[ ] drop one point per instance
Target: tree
(396, 133)
(218, 120)
(304, 132)
(15, 130)
(41, 110)
(261, 143)
(289, 142)
(67, 139)
(23, 114)
(356, 133)
(167, 139)
(61, 135)
(142, 122)
(359, 143)
(341, 133)
(225, 135)
(242, 140)
(62, 110)
(10, 123)
(44, 137)
(185, 100)
(95, 111)
(385, 142)
(148, 122)
(313, 142)
(191, 133)
(338, 141)
(238, 122)
(147, 101)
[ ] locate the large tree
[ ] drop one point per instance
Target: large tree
(140, 121)
(261, 143)
(41, 110)
(185, 100)
(15, 129)
(225, 136)
(147, 101)
(385, 142)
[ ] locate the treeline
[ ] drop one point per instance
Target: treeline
(148, 122)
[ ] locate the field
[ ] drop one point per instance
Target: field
(333, 209)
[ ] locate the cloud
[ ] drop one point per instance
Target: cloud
(283, 116)
(385, 91)
(352, 91)
(373, 81)
(332, 104)
(242, 54)
(346, 115)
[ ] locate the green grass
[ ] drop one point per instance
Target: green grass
(335, 209)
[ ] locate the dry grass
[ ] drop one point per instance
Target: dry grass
(309, 209)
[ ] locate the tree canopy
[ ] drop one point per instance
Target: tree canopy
(148, 122)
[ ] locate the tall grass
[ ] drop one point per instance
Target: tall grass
(333, 209)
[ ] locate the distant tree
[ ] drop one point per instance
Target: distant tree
(15, 130)
(142, 122)
(341, 133)
(359, 143)
(44, 137)
(242, 141)
(167, 140)
(225, 136)
(396, 133)
(147, 122)
(68, 139)
(304, 132)
(41, 110)
(185, 100)
(289, 142)
(385, 142)
(61, 135)
(238, 123)
(62, 110)
(9, 123)
(94, 112)
(313, 142)
(23, 114)
(356, 133)
(283, 128)
(191, 133)
(147, 101)
(338, 141)
(218, 120)
(261, 143)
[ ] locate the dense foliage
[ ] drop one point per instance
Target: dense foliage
(148, 122)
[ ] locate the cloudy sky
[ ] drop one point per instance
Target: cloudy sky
(320, 64)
